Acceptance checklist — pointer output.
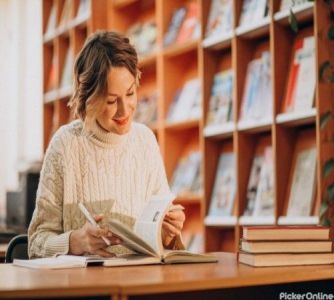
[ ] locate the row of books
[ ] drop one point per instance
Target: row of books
(187, 179)
(257, 100)
(260, 204)
(143, 36)
(221, 18)
(286, 246)
(66, 15)
(184, 25)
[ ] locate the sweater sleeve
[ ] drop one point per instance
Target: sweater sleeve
(158, 181)
(46, 235)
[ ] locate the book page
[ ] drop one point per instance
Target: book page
(148, 225)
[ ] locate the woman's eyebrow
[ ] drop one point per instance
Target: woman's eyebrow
(115, 95)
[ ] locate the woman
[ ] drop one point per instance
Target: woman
(103, 159)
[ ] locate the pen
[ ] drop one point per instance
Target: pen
(92, 221)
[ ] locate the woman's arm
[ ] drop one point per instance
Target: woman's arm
(46, 234)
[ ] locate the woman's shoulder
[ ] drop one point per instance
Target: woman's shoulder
(142, 132)
(66, 132)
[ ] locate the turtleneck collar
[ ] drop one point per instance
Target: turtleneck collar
(105, 138)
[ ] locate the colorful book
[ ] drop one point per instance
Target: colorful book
(252, 11)
(65, 16)
(190, 28)
(257, 97)
(303, 184)
(220, 18)
(51, 21)
(220, 105)
(175, 25)
(301, 81)
(223, 195)
(84, 8)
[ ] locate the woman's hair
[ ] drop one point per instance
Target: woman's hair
(101, 51)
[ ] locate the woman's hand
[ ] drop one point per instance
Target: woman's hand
(172, 226)
(88, 239)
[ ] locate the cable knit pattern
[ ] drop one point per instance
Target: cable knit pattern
(112, 174)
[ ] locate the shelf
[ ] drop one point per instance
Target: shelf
(148, 60)
(297, 118)
(254, 126)
(80, 21)
(248, 220)
(50, 36)
(303, 13)
(219, 131)
(221, 221)
(65, 92)
(255, 30)
(311, 220)
(187, 124)
(179, 49)
(123, 3)
(189, 199)
(218, 42)
(51, 96)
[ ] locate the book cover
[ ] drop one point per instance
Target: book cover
(185, 103)
(253, 11)
(223, 195)
(65, 16)
(220, 18)
(264, 200)
(303, 184)
(174, 25)
(220, 104)
(84, 9)
(257, 97)
(253, 184)
(189, 28)
(301, 81)
(280, 232)
(185, 173)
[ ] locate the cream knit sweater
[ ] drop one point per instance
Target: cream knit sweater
(112, 174)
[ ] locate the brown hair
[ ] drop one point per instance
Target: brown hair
(101, 51)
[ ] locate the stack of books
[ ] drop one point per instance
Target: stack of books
(286, 246)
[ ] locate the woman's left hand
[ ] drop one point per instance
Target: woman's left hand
(172, 226)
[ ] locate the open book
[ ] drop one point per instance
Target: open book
(146, 238)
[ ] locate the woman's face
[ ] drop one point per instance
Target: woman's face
(121, 101)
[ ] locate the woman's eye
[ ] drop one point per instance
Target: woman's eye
(111, 102)
(130, 94)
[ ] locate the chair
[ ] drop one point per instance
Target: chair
(17, 248)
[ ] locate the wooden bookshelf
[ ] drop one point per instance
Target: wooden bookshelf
(168, 68)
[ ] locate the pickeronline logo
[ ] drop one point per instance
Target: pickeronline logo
(306, 296)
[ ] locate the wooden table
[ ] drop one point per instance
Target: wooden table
(224, 280)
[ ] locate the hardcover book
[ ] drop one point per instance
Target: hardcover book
(285, 259)
(304, 232)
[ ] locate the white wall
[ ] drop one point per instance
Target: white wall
(20, 90)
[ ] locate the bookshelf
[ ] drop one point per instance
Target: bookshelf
(167, 68)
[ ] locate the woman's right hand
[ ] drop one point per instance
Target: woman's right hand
(88, 239)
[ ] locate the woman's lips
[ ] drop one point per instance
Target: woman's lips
(121, 122)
